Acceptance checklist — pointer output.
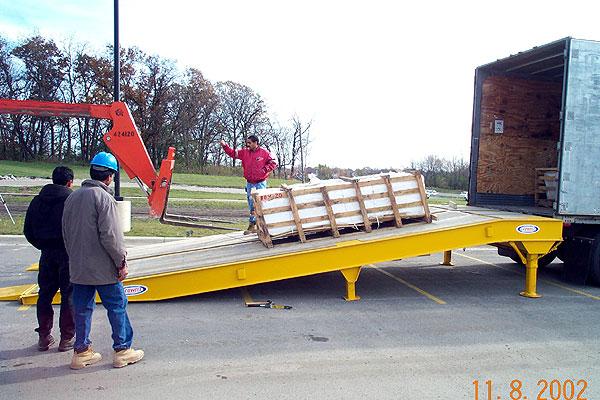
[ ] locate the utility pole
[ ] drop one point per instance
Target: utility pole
(117, 87)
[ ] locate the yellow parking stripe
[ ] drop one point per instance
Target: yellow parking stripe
(549, 282)
(24, 308)
(33, 267)
(410, 285)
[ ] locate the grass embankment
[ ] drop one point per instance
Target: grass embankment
(180, 198)
(40, 169)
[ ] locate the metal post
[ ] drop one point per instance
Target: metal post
(531, 267)
(117, 88)
(447, 258)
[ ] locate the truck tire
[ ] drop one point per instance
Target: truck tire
(542, 262)
(594, 275)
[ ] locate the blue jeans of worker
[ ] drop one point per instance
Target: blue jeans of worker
(114, 300)
(249, 187)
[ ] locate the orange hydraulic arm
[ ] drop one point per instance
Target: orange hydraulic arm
(123, 140)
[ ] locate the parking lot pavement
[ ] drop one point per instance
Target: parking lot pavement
(420, 331)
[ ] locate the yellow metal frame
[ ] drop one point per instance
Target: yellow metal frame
(349, 256)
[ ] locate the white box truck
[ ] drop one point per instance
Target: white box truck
(535, 145)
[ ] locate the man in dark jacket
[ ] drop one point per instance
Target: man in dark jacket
(43, 229)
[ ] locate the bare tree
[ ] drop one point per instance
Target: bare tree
(239, 111)
(42, 74)
(299, 147)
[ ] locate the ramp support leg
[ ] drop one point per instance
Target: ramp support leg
(531, 267)
(447, 258)
(351, 276)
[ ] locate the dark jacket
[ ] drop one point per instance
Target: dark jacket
(43, 221)
(93, 235)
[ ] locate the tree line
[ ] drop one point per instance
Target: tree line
(438, 172)
(170, 106)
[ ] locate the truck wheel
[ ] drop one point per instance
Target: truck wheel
(542, 262)
(595, 262)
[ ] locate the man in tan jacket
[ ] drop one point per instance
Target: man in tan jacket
(97, 263)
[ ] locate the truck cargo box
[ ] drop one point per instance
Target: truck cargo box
(536, 132)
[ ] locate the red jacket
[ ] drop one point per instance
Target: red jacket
(257, 164)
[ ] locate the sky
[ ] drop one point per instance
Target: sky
(383, 82)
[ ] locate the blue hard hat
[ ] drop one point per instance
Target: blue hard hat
(104, 159)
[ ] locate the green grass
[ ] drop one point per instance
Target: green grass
(44, 170)
(139, 227)
(199, 203)
(206, 204)
(187, 194)
(136, 192)
(7, 227)
(221, 181)
(39, 169)
(444, 201)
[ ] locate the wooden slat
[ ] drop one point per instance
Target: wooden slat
(344, 186)
(261, 225)
(344, 200)
(330, 215)
(295, 213)
(276, 210)
(312, 204)
(411, 204)
(361, 204)
(348, 214)
(392, 196)
(406, 178)
(423, 197)
(290, 223)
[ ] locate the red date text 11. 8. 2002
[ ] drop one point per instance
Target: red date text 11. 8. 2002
(547, 389)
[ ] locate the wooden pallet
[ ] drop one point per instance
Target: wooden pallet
(332, 205)
(544, 194)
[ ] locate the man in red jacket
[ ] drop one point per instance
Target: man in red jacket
(257, 164)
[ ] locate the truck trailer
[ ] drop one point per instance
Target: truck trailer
(535, 146)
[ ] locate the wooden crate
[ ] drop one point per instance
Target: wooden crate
(334, 204)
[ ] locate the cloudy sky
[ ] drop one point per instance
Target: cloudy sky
(384, 82)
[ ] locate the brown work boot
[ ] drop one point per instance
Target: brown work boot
(128, 356)
(66, 344)
(251, 228)
(45, 342)
(85, 358)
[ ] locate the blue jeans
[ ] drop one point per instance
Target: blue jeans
(114, 300)
(249, 186)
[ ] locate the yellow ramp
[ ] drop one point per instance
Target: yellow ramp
(188, 267)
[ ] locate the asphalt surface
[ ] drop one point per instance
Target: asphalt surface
(420, 331)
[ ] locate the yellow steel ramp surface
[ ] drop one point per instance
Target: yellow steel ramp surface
(188, 267)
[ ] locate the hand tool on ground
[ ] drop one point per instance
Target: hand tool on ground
(267, 304)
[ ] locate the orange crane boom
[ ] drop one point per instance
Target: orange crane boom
(123, 140)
